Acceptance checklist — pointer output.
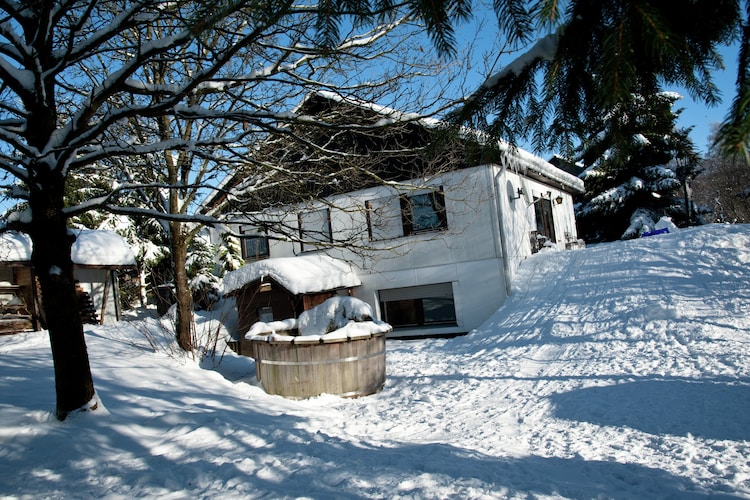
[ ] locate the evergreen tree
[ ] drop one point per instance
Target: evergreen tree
(631, 171)
(230, 254)
(733, 137)
(582, 58)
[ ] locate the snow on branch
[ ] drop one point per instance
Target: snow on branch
(143, 212)
(544, 49)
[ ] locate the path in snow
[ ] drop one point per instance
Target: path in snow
(590, 358)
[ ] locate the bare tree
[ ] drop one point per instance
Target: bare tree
(77, 74)
(721, 191)
(174, 182)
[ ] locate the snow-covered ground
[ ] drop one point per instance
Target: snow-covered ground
(618, 371)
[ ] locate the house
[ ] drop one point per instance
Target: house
(435, 253)
(97, 258)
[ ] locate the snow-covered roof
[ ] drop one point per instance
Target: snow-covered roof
(302, 274)
(91, 248)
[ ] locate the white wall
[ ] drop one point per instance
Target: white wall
(519, 214)
(484, 223)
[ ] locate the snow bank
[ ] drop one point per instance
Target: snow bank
(303, 274)
(91, 247)
(666, 223)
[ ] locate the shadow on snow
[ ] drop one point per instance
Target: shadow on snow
(707, 409)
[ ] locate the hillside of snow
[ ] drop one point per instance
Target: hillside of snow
(617, 371)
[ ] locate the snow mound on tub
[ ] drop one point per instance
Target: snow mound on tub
(337, 317)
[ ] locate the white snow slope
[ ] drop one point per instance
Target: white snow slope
(618, 371)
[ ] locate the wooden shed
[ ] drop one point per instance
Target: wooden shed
(97, 258)
(281, 288)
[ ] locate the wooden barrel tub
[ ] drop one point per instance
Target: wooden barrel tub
(308, 366)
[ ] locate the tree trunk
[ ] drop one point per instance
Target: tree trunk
(53, 267)
(184, 317)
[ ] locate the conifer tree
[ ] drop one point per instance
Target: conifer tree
(635, 161)
(580, 59)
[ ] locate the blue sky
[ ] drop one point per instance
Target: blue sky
(698, 114)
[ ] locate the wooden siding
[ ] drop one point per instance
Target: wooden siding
(256, 295)
(305, 368)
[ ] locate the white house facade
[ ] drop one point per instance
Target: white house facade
(435, 257)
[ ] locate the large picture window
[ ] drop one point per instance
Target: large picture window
(404, 215)
(314, 228)
(427, 305)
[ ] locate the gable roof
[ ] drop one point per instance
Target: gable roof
(299, 275)
(525, 161)
(91, 248)
(415, 131)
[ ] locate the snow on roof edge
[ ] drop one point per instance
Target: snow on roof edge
(300, 274)
(91, 248)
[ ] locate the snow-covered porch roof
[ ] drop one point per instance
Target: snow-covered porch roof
(299, 275)
(92, 248)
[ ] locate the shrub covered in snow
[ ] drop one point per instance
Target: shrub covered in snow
(206, 290)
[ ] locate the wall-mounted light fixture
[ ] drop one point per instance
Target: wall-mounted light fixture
(559, 199)
(519, 193)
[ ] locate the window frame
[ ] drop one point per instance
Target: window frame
(414, 299)
(404, 208)
(257, 235)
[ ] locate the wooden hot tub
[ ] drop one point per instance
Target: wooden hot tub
(308, 366)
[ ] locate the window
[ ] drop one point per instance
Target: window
(397, 216)
(254, 244)
(384, 218)
(265, 314)
(314, 227)
(423, 212)
(427, 305)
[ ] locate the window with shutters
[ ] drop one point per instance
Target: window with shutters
(396, 216)
(426, 305)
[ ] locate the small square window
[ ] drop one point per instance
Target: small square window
(254, 245)
(265, 314)
(423, 212)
